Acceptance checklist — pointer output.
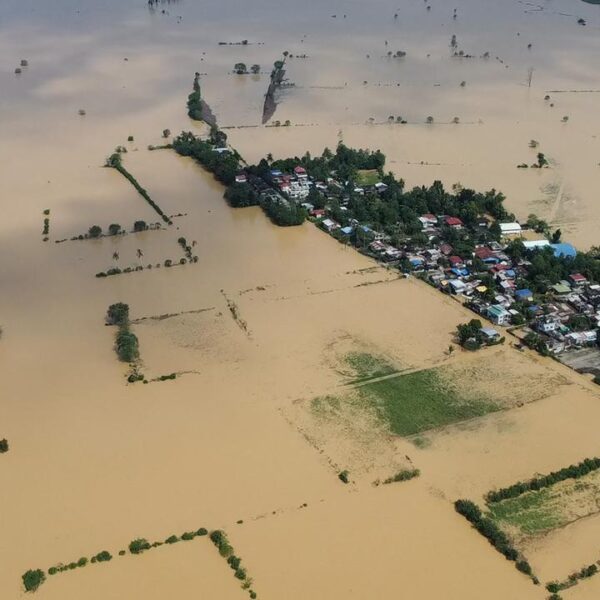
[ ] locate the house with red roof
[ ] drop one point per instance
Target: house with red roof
(453, 222)
(300, 172)
(578, 278)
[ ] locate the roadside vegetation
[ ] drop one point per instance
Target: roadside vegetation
(220, 540)
(114, 161)
(32, 579)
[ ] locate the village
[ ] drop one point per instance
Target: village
(493, 280)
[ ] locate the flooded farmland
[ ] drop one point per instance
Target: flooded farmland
(266, 319)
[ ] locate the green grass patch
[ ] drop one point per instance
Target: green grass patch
(368, 366)
(367, 177)
(420, 401)
(531, 513)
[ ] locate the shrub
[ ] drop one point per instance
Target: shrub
(130, 138)
(343, 476)
(168, 262)
(188, 535)
(252, 594)
(103, 556)
(95, 231)
(3, 446)
(122, 553)
(138, 546)
(33, 579)
(172, 539)
(202, 531)
(403, 475)
(234, 562)
(241, 573)
(524, 567)
(52, 571)
(140, 226)
(82, 561)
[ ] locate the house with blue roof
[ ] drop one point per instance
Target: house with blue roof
(524, 294)
(564, 250)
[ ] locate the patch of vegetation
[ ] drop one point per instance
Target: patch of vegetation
(32, 579)
(224, 165)
(3, 446)
(531, 513)
(367, 177)
(403, 475)
(420, 401)
(368, 366)
(114, 161)
(537, 483)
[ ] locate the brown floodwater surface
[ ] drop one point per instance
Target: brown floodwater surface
(94, 462)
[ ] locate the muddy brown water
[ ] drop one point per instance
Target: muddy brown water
(94, 463)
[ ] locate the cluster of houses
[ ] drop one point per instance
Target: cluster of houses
(450, 273)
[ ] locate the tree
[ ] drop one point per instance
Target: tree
(166, 133)
(240, 68)
(114, 228)
(32, 579)
(555, 239)
(138, 546)
(241, 194)
(469, 331)
(3, 446)
(117, 314)
(255, 69)
(95, 231)
(541, 160)
(127, 345)
(140, 226)
(429, 120)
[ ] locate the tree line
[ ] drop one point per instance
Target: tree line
(495, 536)
(537, 483)
(114, 161)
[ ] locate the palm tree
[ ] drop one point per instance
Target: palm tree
(115, 256)
(139, 253)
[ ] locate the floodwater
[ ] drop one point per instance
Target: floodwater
(93, 462)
